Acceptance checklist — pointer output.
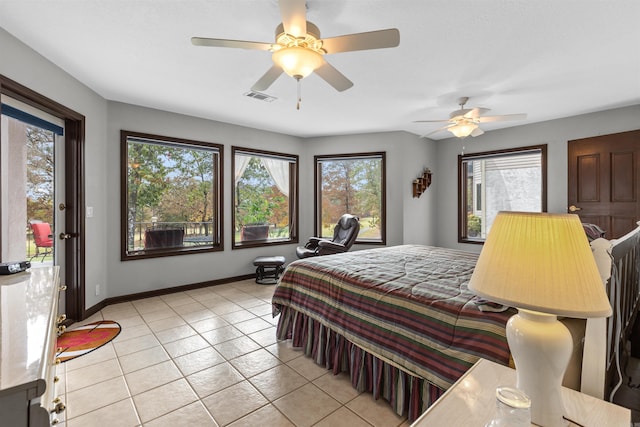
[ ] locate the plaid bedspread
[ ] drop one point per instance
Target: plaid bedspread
(407, 305)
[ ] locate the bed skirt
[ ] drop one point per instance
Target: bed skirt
(408, 395)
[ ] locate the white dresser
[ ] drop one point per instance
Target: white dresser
(29, 324)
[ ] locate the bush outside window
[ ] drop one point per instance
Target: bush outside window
(171, 196)
(505, 180)
(264, 198)
(354, 184)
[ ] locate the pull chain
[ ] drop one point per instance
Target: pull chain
(299, 93)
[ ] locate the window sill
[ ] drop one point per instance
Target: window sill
(263, 243)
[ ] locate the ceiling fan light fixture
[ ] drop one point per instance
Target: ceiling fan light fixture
(463, 128)
(296, 61)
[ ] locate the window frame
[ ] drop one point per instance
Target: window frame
(462, 183)
(294, 175)
(216, 197)
(317, 219)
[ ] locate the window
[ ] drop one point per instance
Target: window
(354, 184)
(265, 198)
(505, 180)
(171, 196)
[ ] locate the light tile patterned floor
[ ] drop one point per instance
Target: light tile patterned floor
(208, 357)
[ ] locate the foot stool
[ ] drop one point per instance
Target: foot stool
(269, 269)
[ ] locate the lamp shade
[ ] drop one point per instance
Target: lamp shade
(296, 61)
(463, 129)
(541, 262)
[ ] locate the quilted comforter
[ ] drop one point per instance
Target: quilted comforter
(407, 305)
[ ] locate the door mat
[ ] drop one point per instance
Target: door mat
(84, 339)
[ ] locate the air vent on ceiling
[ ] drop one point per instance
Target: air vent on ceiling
(260, 96)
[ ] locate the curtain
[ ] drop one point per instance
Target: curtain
(279, 171)
(241, 163)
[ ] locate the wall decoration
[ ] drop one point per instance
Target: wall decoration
(421, 183)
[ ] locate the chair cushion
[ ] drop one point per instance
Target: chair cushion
(302, 252)
(342, 236)
(269, 261)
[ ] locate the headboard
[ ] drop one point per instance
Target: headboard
(619, 265)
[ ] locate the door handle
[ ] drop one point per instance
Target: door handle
(65, 236)
(573, 208)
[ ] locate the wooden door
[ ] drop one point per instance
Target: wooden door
(603, 181)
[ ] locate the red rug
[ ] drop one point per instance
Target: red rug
(84, 339)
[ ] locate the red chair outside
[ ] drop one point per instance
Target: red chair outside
(42, 238)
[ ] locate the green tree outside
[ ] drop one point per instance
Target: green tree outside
(352, 186)
(258, 199)
(40, 166)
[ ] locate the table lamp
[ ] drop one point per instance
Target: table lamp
(541, 264)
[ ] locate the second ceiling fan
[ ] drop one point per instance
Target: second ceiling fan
(299, 51)
(465, 121)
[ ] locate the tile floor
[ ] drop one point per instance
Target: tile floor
(207, 357)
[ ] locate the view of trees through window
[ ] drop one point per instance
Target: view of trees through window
(509, 180)
(352, 184)
(39, 190)
(263, 208)
(39, 174)
(171, 195)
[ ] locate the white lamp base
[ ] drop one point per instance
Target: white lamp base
(541, 347)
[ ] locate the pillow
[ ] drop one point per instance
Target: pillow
(485, 305)
(601, 249)
(593, 231)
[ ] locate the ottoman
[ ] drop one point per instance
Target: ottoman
(268, 269)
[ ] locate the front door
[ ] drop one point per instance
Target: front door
(604, 181)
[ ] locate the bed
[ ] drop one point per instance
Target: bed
(402, 323)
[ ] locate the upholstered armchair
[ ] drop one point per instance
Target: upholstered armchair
(344, 235)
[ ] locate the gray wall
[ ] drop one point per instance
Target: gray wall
(148, 274)
(554, 133)
(430, 219)
(409, 219)
(20, 63)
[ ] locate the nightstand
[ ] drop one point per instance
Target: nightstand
(471, 402)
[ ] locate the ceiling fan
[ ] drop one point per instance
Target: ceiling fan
(465, 121)
(299, 51)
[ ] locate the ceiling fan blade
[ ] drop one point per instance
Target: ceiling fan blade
(437, 130)
(460, 114)
(294, 17)
(242, 44)
(430, 121)
(267, 79)
(477, 132)
(504, 117)
(334, 77)
(362, 41)
(476, 112)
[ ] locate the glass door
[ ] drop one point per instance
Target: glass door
(32, 161)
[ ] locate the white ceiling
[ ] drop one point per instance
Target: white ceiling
(547, 58)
